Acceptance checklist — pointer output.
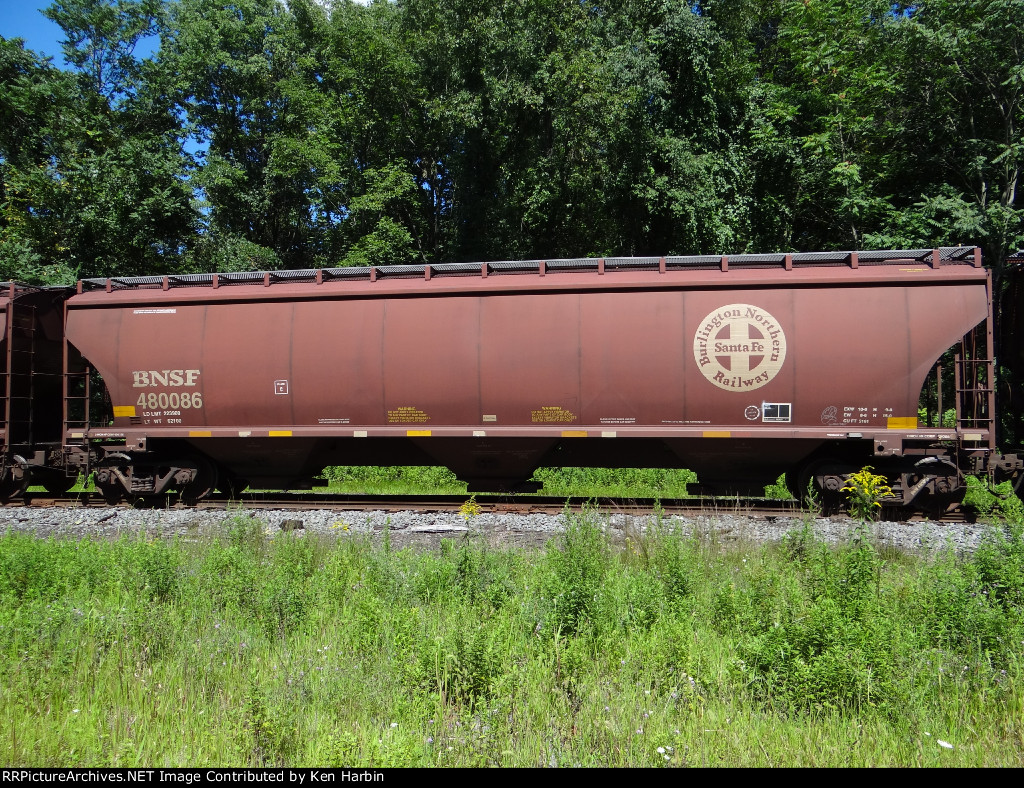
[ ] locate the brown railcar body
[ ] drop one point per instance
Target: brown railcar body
(31, 374)
(739, 368)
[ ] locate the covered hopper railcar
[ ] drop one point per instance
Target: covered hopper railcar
(740, 368)
(31, 386)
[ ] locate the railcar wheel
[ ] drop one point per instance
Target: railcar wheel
(109, 485)
(11, 489)
(204, 484)
(825, 494)
(1016, 485)
(934, 486)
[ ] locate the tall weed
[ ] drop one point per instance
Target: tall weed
(578, 560)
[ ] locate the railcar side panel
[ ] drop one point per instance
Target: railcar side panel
(431, 349)
(723, 372)
(658, 358)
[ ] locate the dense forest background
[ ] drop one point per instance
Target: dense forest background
(262, 135)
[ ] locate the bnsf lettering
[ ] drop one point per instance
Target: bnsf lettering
(154, 378)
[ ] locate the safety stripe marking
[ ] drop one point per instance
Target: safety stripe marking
(280, 433)
(574, 433)
(902, 423)
(200, 434)
(717, 434)
(124, 410)
(418, 433)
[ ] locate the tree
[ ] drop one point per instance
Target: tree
(102, 36)
(36, 109)
(244, 78)
(957, 120)
(95, 183)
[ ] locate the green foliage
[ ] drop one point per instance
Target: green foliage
(460, 667)
(625, 482)
(825, 648)
(391, 192)
(93, 173)
(1000, 565)
(244, 648)
(948, 419)
(247, 532)
(998, 500)
(579, 562)
(865, 492)
(577, 482)
(393, 479)
(423, 131)
(779, 491)
(224, 251)
(266, 735)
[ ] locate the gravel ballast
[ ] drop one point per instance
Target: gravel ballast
(428, 529)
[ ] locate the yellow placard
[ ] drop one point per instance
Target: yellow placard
(407, 413)
(552, 413)
(123, 410)
(418, 433)
(200, 434)
(718, 434)
(280, 433)
(902, 423)
(574, 433)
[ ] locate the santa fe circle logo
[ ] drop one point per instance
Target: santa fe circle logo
(739, 347)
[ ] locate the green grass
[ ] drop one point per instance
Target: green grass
(575, 482)
(247, 650)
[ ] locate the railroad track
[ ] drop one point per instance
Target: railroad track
(499, 504)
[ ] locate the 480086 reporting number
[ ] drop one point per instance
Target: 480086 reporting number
(174, 400)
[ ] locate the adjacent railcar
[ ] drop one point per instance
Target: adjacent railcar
(31, 387)
(740, 368)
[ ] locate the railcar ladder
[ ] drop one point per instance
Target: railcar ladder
(975, 400)
(19, 376)
(77, 391)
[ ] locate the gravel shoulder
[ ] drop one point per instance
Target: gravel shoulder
(428, 529)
